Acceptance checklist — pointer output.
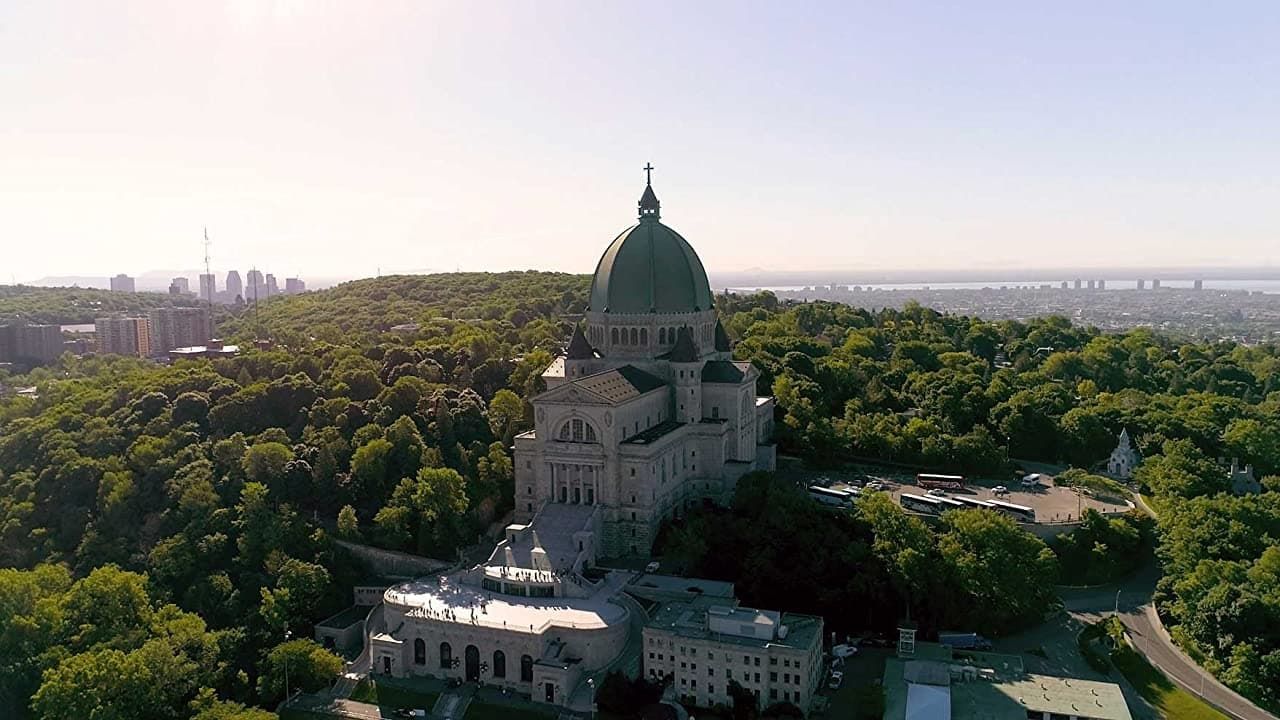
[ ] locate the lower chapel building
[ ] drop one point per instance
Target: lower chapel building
(645, 415)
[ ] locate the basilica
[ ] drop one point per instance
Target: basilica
(645, 414)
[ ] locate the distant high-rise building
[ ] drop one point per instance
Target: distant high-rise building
(208, 286)
(235, 288)
(30, 344)
(123, 336)
(1142, 284)
(1155, 284)
(293, 286)
(1064, 284)
(1091, 284)
(272, 288)
(1198, 285)
(255, 288)
(1102, 284)
(122, 283)
(180, 286)
(1077, 283)
(178, 327)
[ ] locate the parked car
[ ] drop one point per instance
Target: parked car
(875, 485)
(1031, 480)
(836, 680)
(999, 490)
(844, 650)
(937, 492)
(652, 567)
(837, 663)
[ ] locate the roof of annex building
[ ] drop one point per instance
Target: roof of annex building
(688, 619)
(990, 686)
(446, 600)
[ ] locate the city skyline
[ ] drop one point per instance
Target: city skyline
(842, 136)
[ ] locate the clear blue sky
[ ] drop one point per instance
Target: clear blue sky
(334, 138)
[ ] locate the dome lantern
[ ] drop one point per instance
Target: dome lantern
(649, 205)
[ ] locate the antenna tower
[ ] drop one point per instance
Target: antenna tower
(208, 280)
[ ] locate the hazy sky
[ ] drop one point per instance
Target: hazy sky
(334, 138)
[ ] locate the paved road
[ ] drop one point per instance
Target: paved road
(1138, 615)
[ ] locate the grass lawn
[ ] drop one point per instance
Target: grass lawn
(486, 711)
(369, 691)
(1172, 701)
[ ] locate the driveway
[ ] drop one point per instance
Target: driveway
(1150, 639)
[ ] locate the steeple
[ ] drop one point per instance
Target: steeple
(649, 205)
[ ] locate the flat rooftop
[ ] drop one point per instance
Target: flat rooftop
(346, 618)
(677, 584)
(990, 686)
(689, 619)
(647, 436)
(445, 599)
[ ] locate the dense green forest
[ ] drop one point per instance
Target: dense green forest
(207, 495)
(75, 306)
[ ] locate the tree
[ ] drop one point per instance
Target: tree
(978, 548)
(348, 523)
(207, 706)
(506, 410)
(265, 463)
(426, 510)
(109, 605)
(310, 668)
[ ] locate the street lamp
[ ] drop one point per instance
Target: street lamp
(591, 683)
(287, 635)
(1117, 611)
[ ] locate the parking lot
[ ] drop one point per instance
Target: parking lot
(1052, 504)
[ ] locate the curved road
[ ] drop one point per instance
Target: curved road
(1133, 598)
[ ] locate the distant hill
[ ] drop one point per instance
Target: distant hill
(368, 307)
(77, 305)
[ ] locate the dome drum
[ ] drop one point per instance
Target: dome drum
(647, 335)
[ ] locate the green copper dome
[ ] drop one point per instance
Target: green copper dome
(650, 268)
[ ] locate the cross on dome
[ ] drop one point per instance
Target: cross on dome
(649, 206)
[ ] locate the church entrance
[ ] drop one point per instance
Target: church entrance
(473, 663)
(551, 692)
(577, 496)
(591, 496)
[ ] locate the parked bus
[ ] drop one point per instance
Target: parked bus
(920, 503)
(1021, 513)
(827, 496)
(974, 503)
(930, 481)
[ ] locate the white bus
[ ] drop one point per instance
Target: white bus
(1021, 513)
(827, 496)
(974, 503)
(920, 503)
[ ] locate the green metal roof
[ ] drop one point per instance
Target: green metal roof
(650, 268)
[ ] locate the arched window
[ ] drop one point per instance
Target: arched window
(526, 668)
(644, 336)
(613, 335)
(671, 335)
(446, 656)
(662, 336)
(635, 336)
(578, 431)
(499, 664)
(419, 652)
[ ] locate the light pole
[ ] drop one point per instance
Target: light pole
(1117, 611)
(591, 683)
(287, 635)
